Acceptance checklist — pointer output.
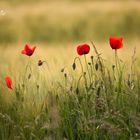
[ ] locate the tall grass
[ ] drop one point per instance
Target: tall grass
(87, 100)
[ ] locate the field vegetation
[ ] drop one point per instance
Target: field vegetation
(95, 96)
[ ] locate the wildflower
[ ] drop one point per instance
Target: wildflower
(116, 42)
(83, 49)
(8, 81)
(28, 50)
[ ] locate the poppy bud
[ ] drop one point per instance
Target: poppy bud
(77, 90)
(74, 66)
(96, 66)
(37, 86)
(113, 67)
(40, 62)
(89, 63)
(62, 70)
(29, 76)
(91, 57)
(65, 75)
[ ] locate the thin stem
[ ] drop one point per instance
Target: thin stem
(119, 71)
(26, 68)
(47, 64)
(77, 58)
(79, 80)
(91, 73)
(100, 62)
(80, 63)
(87, 68)
(116, 62)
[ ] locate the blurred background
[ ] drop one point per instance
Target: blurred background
(68, 21)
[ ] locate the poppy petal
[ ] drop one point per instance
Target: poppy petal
(8, 81)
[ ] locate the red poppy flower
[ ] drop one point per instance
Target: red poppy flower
(83, 49)
(28, 50)
(116, 42)
(8, 81)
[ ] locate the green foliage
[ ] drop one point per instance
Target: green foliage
(101, 102)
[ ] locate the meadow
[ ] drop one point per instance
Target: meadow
(95, 96)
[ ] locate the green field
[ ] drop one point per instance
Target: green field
(69, 97)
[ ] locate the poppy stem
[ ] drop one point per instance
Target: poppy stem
(99, 58)
(29, 65)
(80, 63)
(119, 80)
(26, 69)
(116, 62)
(87, 68)
(102, 68)
(47, 64)
(77, 58)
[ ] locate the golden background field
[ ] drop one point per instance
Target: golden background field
(56, 27)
